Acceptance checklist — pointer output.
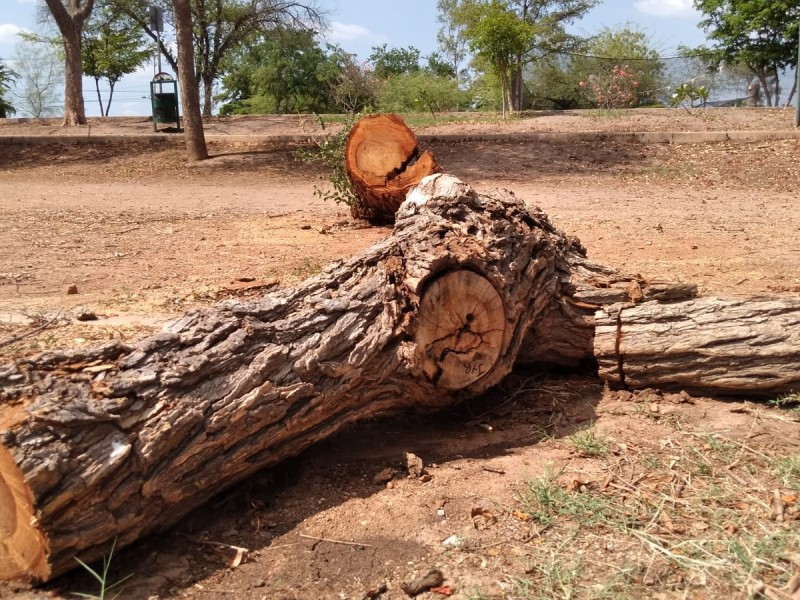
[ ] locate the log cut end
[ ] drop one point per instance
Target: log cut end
(23, 548)
(383, 163)
(461, 327)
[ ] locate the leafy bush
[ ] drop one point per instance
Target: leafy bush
(422, 92)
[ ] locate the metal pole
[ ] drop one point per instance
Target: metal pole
(158, 35)
(797, 84)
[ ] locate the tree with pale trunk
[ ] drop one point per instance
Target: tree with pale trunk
(40, 79)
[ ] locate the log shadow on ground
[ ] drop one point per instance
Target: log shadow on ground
(522, 160)
(273, 507)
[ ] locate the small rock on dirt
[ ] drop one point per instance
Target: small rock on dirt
(81, 313)
(384, 476)
(72, 290)
(415, 466)
(434, 578)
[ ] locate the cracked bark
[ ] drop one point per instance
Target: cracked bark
(722, 345)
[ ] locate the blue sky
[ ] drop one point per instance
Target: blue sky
(358, 25)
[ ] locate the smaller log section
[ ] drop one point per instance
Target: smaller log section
(722, 345)
(383, 162)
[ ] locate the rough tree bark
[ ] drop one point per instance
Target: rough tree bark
(383, 163)
(118, 441)
(728, 346)
(196, 148)
(70, 18)
(122, 440)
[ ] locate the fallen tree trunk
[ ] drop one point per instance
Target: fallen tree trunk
(383, 163)
(119, 441)
(726, 346)
(122, 440)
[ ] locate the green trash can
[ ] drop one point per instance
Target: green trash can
(164, 100)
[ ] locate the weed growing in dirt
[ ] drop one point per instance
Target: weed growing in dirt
(787, 401)
(590, 443)
(545, 500)
(102, 577)
(697, 511)
(787, 470)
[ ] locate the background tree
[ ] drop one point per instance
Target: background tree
(391, 62)
(613, 47)
(546, 33)
(498, 36)
(353, 88)
(190, 98)
(285, 71)
(7, 77)
(112, 47)
(70, 16)
(221, 27)
(451, 37)
(420, 91)
(761, 34)
(549, 20)
(40, 71)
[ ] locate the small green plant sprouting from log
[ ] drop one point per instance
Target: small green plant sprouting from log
(330, 153)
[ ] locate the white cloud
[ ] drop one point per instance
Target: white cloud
(9, 33)
(667, 8)
(342, 32)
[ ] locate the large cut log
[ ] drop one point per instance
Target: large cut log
(122, 440)
(727, 346)
(384, 162)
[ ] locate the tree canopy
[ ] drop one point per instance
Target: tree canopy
(497, 36)
(285, 71)
(534, 29)
(112, 47)
(761, 34)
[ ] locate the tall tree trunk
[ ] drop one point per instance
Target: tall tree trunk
(791, 93)
(74, 108)
(517, 85)
(762, 78)
(99, 97)
(190, 98)
(70, 20)
(110, 96)
(208, 90)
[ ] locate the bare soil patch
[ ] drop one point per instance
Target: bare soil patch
(549, 487)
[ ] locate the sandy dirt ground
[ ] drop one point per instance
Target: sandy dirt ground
(551, 486)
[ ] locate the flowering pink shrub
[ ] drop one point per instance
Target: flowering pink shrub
(617, 89)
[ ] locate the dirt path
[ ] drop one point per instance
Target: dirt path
(547, 487)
